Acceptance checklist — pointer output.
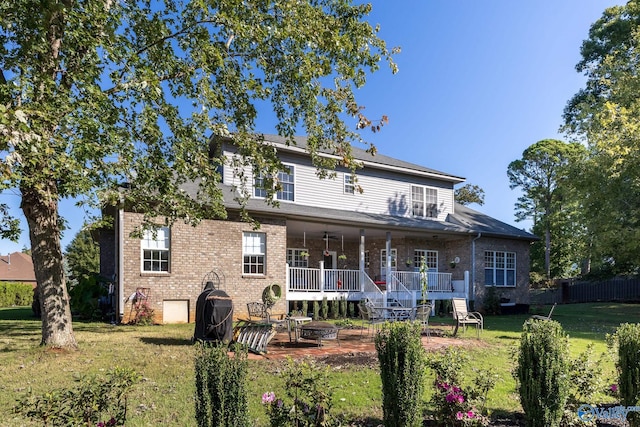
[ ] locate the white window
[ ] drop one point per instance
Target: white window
(155, 250)
(285, 182)
(349, 187)
(253, 253)
(499, 268)
(394, 258)
(259, 186)
(424, 202)
(297, 257)
(430, 259)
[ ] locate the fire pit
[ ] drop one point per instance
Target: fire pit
(319, 331)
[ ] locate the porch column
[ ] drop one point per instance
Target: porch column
(361, 265)
(388, 249)
(321, 266)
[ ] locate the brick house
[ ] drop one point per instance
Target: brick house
(324, 240)
(17, 267)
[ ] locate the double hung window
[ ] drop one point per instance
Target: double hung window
(254, 246)
(155, 250)
(499, 268)
(424, 202)
(284, 182)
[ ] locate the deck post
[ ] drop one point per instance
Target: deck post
(321, 265)
(466, 285)
(388, 260)
(361, 265)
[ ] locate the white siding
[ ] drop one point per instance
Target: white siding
(384, 192)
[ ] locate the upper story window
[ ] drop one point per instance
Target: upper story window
(285, 182)
(254, 248)
(349, 187)
(297, 257)
(424, 202)
(155, 250)
(499, 268)
(430, 259)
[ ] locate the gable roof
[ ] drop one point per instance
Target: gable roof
(17, 267)
(378, 161)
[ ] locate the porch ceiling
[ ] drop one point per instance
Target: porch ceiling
(316, 230)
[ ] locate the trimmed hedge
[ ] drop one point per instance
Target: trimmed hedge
(15, 294)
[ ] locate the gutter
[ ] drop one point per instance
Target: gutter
(120, 263)
(473, 265)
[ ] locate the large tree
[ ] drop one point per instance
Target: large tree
(82, 256)
(606, 114)
(469, 193)
(98, 93)
(544, 175)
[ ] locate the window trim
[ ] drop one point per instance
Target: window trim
(419, 253)
(294, 259)
(147, 237)
(428, 208)
(394, 259)
(263, 254)
(507, 257)
(261, 193)
(349, 186)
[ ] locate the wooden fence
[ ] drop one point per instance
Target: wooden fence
(576, 292)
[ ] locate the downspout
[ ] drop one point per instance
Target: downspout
(120, 263)
(473, 266)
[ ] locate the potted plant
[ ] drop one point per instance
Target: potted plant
(343, 258)
(304, 254)
(409, 262)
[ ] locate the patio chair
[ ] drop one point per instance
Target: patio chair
(547, 317)
(464, 317)
(369, 317)
(422, 314)
(258, 310)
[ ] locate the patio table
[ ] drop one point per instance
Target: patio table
(395, 313)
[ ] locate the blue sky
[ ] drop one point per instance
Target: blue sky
(479, 81)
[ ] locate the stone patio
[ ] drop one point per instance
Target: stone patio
(350, 342)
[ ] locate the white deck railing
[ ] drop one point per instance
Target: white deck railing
(403, 286)
(436, 282)
(319, 280)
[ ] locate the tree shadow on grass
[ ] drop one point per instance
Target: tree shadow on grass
(166, 341)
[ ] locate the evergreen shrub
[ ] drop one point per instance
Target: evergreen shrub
(542, 372)
(221, 386)
(402, 369)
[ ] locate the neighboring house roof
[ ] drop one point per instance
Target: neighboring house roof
(16, 267)
(464, 221)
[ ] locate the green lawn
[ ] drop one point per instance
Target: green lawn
(163, 356)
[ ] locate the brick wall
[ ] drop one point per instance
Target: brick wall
(448, 250)
(195, 251)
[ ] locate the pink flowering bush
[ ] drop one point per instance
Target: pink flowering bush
(454, 404)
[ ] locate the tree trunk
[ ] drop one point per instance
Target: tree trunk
(40, 207)
(547, 252)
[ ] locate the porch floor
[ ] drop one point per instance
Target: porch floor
(351, 344)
